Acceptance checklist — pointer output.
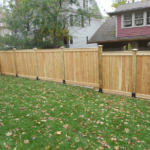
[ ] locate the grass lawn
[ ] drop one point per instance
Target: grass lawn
(36, 115)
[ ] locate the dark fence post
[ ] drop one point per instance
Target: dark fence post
(100, 50)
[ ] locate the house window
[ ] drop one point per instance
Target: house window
(71, 20)
(148, 17)
(60, 3)
(71, 39)
(128, 20)
(87, 39)
(139, 19)
(82, 21)
(71, 2)
(89, 21)
(85, 4)
(65, 40)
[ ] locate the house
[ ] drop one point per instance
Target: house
(3, 28)
(81, 34)
(129, 23)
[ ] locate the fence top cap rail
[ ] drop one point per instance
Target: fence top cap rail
(117, 51)
(81, 48)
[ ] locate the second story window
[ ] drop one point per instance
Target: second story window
(82, 21)
(139, 19)
(71, 20)
(128, 20)
(85, 4)
(148, 17)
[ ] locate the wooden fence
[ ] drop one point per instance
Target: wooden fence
(124, 73)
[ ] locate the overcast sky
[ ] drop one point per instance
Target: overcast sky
(105, 6)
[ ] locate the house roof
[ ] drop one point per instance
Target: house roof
(131, 7)
(107, 33)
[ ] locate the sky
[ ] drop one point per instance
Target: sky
(105, 6)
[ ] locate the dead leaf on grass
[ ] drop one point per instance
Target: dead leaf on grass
(7, 146)
(26, 141)
(58, 132)
(116, 148)
(113, 139)
(66, 126)
(9, 134)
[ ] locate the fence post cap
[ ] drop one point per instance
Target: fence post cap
(62, 47)
(100, 45)
(134, 49)
(14, 48)
(35, 48)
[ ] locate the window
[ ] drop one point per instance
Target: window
(65, 40)
(71, 2)
(139, 19)
(148, 17)
(87, 39)
(89, 21)
(128, 20)
(71, 20)
(82, 21)
(85, 4)
(60, 3)
(71, 39)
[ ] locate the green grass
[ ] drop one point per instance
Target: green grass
(32, 112)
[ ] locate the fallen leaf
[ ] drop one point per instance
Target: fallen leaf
(126, 130)
(58, 133)
(66, 126)
(52, 109)
(26, 141)
(68, 137)
(113, 139)
(43, 120)
(80, 148)
(7, 146)
(9, 134)
(46, 114)
(116, 148)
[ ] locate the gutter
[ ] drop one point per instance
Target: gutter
(128, 10)
(121, 40)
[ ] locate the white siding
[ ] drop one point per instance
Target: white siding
(80, 33)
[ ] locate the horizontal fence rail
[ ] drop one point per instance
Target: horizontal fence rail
(120, 72)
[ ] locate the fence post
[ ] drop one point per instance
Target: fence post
(134, 51)
(16, 71)
(0, 66)
(63, 64)
(100, 50)
(36, 67)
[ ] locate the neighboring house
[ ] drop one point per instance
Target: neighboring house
(129, 23)
(3, 28)
(80, 35)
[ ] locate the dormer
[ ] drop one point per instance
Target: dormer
(132, 19)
